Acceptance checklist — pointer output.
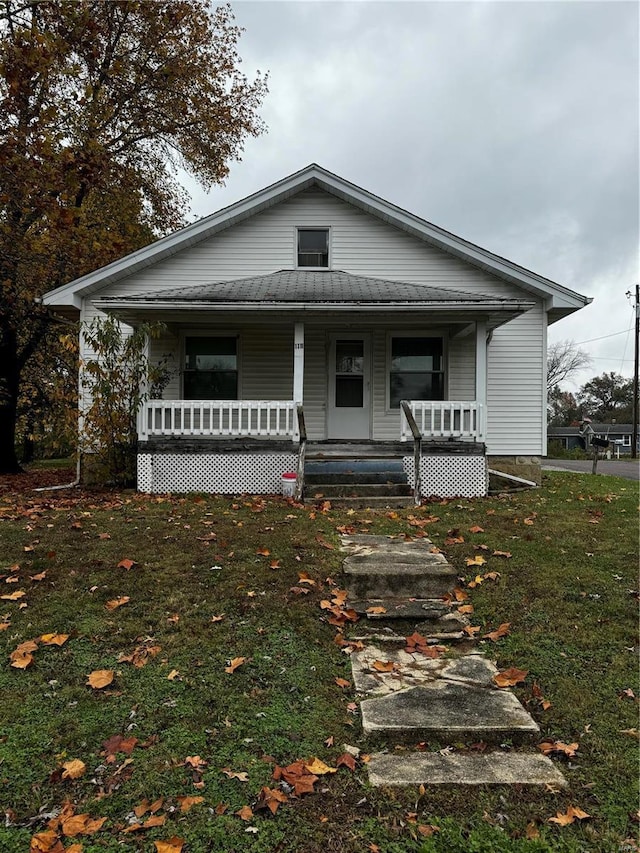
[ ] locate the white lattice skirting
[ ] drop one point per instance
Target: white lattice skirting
(217, 473)
(450, 476)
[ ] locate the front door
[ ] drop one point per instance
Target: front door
(349, 406)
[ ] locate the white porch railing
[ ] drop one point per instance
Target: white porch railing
(445, 419)
(218, 418)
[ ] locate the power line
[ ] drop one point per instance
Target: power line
(612, 335)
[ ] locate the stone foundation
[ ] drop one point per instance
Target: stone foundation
(527, 467)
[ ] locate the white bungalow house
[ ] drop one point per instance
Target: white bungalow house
(313, 324)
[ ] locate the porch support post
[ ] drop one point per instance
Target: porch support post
(481, 375)
(298, 362)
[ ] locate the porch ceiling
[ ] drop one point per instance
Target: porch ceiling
(326, 292)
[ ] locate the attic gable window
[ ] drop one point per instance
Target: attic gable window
(313, 247)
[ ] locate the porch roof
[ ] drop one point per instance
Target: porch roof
(316, 289)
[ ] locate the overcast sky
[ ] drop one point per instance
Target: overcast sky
(512, 124)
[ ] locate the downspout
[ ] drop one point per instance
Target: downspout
(71, 485)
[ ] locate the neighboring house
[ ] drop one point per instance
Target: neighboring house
(314, 298)
(570, 438)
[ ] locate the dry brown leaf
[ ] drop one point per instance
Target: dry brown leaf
(46, 842)
(4, 625)
(263, 552)
(510, 677)
(245, 813)
(126, 564)
(502, 631)
(14, 596)
(378, 610)
(218, 618)
(173, 675)
(319, 768)
(476, 529)
(272, 798)
(73, 769)
(188, 802)
(114, 603)
(234, 663)
(54, 639)
(383, 665)
(100, 678)
(572, 813)
(465, 608)
(568, 749)
(241, 775)
(532, 832)
(346, 760)
(39, 577)
(342, 682)
(506, 555)
(171, 845)
(478, 560)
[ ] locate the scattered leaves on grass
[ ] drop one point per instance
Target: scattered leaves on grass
(187, 803)
(572, 814)
(100, 678)
(141, 655)
(510, 677)
(21, 656)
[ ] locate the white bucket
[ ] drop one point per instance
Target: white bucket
(288, 484)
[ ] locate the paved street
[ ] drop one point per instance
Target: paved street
(627, 468)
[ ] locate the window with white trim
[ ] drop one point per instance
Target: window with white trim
(626, 441)
(210, 368)
(313, 247)
(416, 369)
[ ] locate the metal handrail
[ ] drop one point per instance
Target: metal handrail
(302, 432)
(417, 450)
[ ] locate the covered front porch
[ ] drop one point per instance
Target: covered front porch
(262, 366)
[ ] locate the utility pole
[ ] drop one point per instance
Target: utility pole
(634, 435)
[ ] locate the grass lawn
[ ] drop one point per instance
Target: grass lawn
(220, 584)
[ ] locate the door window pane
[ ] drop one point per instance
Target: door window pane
(349, 392)
(349, 356)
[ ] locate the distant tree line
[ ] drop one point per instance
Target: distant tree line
(603, 398)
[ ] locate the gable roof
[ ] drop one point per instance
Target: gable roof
(560, 300)
(322, 289)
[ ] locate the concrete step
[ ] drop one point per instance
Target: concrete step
(494, 768)
(448, 710)
(428, 616)
(358, 450)
(361, 477)
(432, 577)
(358, 490)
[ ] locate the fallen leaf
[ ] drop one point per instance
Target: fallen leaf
(117, 602)
(187, 803)
(346, 760)
(218, 618)
(14, 596)
(532, 832)
(377, 610)
(568, 749)
(100, 678)
(383, 665)
(502, 631)
(39, 577)
(234, 663)
(476, 529)
(569, 816)
(126, 564)
(263, 552)
(46, 842)
(171, 845)
(319, 768)
(54, 639)
(507, 556)
(510, 677)
(73, 769)
(478, 560)
(241, 775)
(272, 798)
(465, 608)
(342, 682)
(245, 813)
(173, 675)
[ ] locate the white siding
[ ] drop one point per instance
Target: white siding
(365, 245)
(516, 393)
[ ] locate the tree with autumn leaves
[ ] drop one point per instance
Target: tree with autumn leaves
(101, 104)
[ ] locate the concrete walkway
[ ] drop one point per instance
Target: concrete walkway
(629, 469)
(414, 694)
